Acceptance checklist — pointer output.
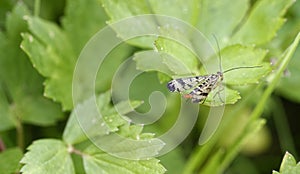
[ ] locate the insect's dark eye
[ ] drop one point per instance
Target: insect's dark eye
(171, 87)
(204, 94)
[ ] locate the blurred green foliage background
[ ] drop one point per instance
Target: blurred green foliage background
(38, 103)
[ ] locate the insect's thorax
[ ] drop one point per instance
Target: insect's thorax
(213, 79)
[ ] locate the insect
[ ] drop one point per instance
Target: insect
(197, 88)
(201, 86)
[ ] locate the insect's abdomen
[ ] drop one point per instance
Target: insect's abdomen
(201, 86)
(182, 84)
(200, 93)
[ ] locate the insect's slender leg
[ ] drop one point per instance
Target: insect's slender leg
(221, 88)
(203, 101)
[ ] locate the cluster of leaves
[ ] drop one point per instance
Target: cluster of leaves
(53, 51)
(288, 165)
(38, 57)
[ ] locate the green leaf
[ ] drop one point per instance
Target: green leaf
(288, 165)
(114, 121)
(98, 161)
(51, 54)
(78, 13)
(186, 10)
(110, 65)
(111, 117)
(132, 131)
(9, 160)
(84, 114)
(220, 18)
(163, 77)
(53, 51)
(39, 111)
(263, 22)
(5, 6)
(221, 96)
(151, 61)
(104, 101)
(288, 31)
(21, 86)
(236, 56)
(130, 143)
(179, 58)
(47, 156)
(7, 119)
(239, 56)
(73, 133)
(125, 107)
(128, 140)
(118, 10)
(84, 123)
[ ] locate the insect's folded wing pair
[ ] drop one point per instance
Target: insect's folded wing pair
(198, 92)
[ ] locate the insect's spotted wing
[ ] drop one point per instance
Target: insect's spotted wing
(200, 86)
(200, 93)
(183, 84)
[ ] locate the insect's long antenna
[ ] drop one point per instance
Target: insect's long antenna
(241, 67)
(220, 59)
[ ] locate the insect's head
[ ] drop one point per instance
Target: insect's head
(171, 86)
(213, 78)
(220, 74)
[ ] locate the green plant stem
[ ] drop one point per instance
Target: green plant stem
(197, 158)
(20, 134)
(19, 126)
(277, 75)
(282, 126)
(196, 12)
(201, 152)
(37, 7)
(251, 129)
(2, 145)
(258, 110)
(72, 149)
